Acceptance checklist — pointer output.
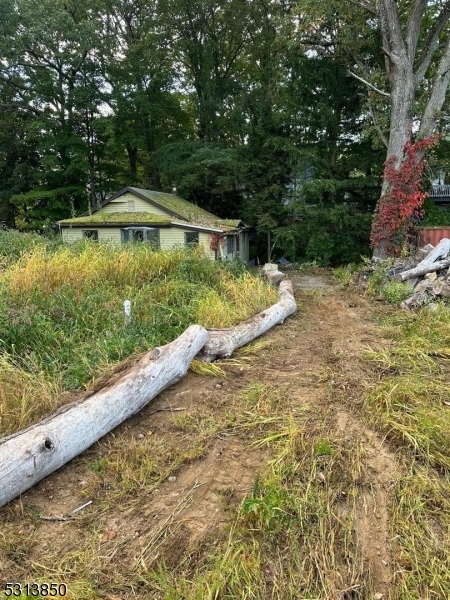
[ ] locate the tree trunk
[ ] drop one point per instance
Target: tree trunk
(223, 342)
(399, 66)
(406, 67)
(28, 456)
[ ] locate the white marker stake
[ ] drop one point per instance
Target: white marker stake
(127, 309)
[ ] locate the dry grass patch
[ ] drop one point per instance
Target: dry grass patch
(411, 405)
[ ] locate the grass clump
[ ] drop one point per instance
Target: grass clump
(62, 319)
(344, 274)
(380, 285)
(420, 520)
(395, 292)
(409, 400)
(410, 405)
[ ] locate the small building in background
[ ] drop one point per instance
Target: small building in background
(161, 219)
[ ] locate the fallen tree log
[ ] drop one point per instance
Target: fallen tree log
(421, 270)
(223, 342)
(272, 274)
(274, 277)
(28, 456)
(439, 251)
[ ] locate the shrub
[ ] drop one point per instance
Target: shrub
(395, 292)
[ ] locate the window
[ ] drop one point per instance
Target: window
(153, 237)
(140, 234)
(191, 238)
(90, 234)
(131, 206)
(230, 244)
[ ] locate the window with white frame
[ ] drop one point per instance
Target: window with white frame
(141, 234)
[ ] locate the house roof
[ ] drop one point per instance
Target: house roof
(118, 218)
(174, 205)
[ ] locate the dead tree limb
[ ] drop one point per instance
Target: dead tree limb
(419, 271)
(223, 342)
(28, 456)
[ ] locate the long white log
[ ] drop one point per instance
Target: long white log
(424, 269)
(439, 252)
(28, 456)
(223, 342)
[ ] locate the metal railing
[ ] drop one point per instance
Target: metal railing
(440, 191)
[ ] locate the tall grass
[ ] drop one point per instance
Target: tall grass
(61, 310)
(411, 403)
(14, 244)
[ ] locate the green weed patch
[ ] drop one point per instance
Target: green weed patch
(411, 405)
(62, 319)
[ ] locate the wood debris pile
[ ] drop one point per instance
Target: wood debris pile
(429, 276)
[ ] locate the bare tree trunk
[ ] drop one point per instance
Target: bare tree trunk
(28, 456)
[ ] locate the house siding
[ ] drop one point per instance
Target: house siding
(75, 234)
(169, 238)
(204, 239)
(120, 204)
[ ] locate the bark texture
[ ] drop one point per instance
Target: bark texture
(28, 456)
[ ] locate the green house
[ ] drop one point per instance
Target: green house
(162, 219)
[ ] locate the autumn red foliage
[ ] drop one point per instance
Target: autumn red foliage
(403, 201)
(216, 239)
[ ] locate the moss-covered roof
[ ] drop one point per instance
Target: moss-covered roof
(188, 211)
(176, 205)
(109, 218)
(178, 209)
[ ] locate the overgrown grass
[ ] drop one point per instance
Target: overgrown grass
(62, 319)
(293, 536)
(14, 244)
(409, 401)
(392, 291)
(411, 404)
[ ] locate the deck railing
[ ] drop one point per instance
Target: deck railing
(440, 191)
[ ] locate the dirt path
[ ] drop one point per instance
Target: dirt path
(316, 357)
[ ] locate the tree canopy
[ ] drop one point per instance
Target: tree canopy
(271, 110)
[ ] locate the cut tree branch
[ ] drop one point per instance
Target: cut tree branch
(370, 85)
(28, 456)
